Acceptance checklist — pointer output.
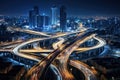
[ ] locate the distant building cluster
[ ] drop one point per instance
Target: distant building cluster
(43, 22)
(61, 22)
(36, 20)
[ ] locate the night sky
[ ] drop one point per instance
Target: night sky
(74, 7)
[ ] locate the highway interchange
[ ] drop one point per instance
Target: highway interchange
(60, 54)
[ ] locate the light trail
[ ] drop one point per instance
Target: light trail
(101, 43)
(63, 51)
(56, 45)
(28, 31)
(64, 55)
(36, 71)
(40, 33)
(90, 73)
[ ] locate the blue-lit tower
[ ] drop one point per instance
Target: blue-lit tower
(54, 15)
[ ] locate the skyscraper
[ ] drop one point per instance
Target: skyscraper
(63, 17)
(43, 21)
(54, 15)
(33, 20)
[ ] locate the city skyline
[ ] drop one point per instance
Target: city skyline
(74, 7)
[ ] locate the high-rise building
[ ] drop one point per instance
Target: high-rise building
(33, 20)
(63, 17)
(43, 21)
(54, 15)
